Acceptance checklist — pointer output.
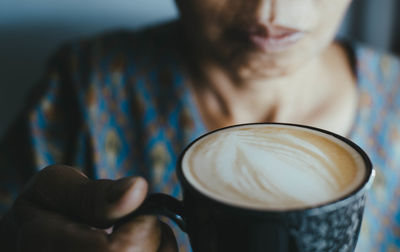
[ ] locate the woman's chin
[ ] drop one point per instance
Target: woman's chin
(259, 65)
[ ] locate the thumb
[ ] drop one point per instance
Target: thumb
(124, 196)
(98, 203)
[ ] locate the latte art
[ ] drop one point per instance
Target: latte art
(272, 167)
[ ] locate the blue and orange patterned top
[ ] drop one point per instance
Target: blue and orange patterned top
(119, 105)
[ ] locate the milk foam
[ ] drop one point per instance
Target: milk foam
(272, 167)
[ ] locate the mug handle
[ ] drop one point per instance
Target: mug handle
(159, 204)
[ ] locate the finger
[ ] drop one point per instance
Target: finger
(99, 203)
(143, 233)
(48, 231)
(168, 241)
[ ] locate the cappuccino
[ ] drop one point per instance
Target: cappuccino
(273, 167)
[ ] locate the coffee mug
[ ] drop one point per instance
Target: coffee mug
(268, 187)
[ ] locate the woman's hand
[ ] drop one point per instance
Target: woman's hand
(62, 210)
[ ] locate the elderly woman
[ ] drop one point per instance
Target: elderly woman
(124, 105)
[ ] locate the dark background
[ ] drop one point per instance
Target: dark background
(31, 29)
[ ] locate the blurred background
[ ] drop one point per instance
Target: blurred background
(30, 30)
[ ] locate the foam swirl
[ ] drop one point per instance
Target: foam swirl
(272, 167)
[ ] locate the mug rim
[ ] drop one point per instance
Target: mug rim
(311, 210)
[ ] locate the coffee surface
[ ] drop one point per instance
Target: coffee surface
(273, 167)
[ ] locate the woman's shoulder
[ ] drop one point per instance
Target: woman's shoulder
(128, 52)
(112, 60)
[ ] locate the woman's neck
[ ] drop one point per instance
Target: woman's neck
(319, 93)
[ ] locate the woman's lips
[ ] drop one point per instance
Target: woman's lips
(275, 43)
(273, 38)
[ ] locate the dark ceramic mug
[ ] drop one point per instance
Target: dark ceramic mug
(214, 226)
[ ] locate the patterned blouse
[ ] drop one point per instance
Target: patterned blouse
(118, 105)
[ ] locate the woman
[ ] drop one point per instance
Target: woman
(126, 104)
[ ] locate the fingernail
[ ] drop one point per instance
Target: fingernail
(118, 188)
